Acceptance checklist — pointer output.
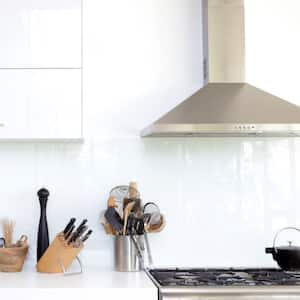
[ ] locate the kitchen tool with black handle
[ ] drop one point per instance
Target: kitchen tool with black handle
(88, 234)
(114, 219)
(82, 224)
(77, 234)
(69, 233)
(69, 226)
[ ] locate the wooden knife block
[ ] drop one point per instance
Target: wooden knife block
(58, 257)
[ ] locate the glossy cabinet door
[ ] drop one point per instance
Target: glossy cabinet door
(40, 33)
(40, 104)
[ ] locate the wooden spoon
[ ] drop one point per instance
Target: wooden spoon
(111, 202)
(127, 211)
(156, 227)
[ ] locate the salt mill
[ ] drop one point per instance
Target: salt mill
(43, 235)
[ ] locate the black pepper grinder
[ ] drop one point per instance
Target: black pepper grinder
(43, 234)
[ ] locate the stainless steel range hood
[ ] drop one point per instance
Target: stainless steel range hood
(227, 105)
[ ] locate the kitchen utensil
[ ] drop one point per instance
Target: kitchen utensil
(287, 257)
(2, 242)
(157, 227)
(127, 211)
(80, 233)
(111, 202)
(8, 229)
(133, 190)
(139, 226)
(147, 218)
(88, 234)
(22, 241)
(69, 225)
(126, 256)
(43, 234)
(120, 193)
(114, 219)
(148, 250)
(138, 244)
(77, 233)
(69, 233)
(108, 229)
(84, 221)
(152, 210)
(133, 196)
(81, 239)
(131, 222)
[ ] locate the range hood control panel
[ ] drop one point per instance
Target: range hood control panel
(246, 127)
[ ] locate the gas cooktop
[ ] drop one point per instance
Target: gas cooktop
(224, 277)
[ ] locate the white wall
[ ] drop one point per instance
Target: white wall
(223, 198)
(273, 46)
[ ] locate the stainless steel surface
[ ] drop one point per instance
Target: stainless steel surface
(126, 255)
(149, 253)
(226, 292)
(222, 130)
(227, 105)
(139, 247)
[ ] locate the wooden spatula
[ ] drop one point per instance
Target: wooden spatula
(127, 211)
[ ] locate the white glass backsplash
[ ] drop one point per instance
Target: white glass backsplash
(223, 198)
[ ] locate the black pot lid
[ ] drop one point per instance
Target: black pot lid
(289, 247)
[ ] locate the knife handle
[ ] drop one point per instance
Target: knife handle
(69, 225)
(77, 234)
(86, 236)
(68, 234)
(81, 224)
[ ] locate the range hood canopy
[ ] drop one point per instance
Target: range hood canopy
(227, 105)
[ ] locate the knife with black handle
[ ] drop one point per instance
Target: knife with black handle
(77, 234)
(86, 236)
(68, 234)
(81, 224)
(78, 229)
(69, 226)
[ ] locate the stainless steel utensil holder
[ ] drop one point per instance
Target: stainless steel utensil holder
(128, 253)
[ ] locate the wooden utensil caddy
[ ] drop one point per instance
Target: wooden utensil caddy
(59, 257)
(12, 259)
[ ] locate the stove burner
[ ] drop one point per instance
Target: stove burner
(224, 277)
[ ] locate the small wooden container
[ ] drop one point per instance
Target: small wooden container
(58, 257)
(12, 258)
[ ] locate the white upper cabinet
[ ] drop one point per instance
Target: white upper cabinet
(40, 104)
(40, 33)
(40, 70)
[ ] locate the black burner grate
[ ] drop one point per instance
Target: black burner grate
(224, 277)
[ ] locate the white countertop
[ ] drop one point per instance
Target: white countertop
(92, 277)
(94, 283)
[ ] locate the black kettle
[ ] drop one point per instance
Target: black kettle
(287, 257)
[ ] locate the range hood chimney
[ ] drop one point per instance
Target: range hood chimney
(227, 105)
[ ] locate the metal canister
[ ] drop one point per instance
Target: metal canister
(126, 254)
